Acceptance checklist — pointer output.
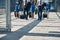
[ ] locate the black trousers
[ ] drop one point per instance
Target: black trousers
(26, 14)
(39, 15)
(16, 14)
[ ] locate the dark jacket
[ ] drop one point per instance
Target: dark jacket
(27, 6)
(40, 7)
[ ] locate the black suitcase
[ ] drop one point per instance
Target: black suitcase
(44, 15)
(22, 16)
(30, 15)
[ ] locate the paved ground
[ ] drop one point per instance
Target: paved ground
(32, 29)
(58, 14)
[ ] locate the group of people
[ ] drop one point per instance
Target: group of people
(30, 7)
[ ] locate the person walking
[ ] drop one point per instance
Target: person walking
(47, 8)
(17, 9)
(32, 9)
(36, 8)
(26, 9)
(40, 12)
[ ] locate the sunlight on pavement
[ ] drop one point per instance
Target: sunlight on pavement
(15, 28)
(44, 29)
(20, 23)
(2, 35)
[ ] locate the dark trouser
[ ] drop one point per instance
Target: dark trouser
(16, 14)
(39, 15)
(26, 14)
(35, 11)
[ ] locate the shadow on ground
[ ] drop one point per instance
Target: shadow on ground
(43, 34)
(19, 33)
(25, 31)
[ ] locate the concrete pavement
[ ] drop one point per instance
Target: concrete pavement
(32, 29)
(47, 29)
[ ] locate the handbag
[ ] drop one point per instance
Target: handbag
(44, 15)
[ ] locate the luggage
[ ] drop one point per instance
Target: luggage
(30, 15)
(22, 16)
(45, 15)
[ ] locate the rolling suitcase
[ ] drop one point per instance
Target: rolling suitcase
(22, 16)
(44, 15)
(30, 15)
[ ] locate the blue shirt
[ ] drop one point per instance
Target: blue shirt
(17, 6)
(32, 9)
(47, 7)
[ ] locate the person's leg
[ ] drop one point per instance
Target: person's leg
(29, 14)
(26, 15)
(38, 15)
(47, 15)
(36, 11)
(24, 12)
(41, 15)
(17, 14)
(32, 14)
